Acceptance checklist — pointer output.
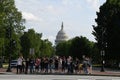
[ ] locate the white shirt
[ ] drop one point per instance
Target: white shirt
(19, 61)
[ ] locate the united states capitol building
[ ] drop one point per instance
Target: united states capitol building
(61, 35)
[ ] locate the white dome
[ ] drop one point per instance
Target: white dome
(61, 36)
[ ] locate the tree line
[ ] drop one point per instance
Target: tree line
(78, 47)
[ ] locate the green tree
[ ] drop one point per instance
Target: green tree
(11, 18)
(29, 40)
(46, 48)
(62, 49)
(107, 30)
(80, 46)
(76, 47)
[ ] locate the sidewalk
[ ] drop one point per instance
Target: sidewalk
(106, 73)
(3, 71)
(94, 73)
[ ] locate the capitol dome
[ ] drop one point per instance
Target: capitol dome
(61, 36)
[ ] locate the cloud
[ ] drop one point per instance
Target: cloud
(71, 2)
(94, 4)
(50, 8)
(30, 17)
(54, 10)
(66, 2)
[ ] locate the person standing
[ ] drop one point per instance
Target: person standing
(69, 64)
(23, 65)
(31, 63)
(46, 65)
(85, 65)
(76, 65)
(42, 64)
(37, 65)
(63, 64)
(56, 64)
(19, 65)
(89, 65)
(26, 65)
(50, 64)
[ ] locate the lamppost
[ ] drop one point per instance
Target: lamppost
(103, 61)
(103, 51)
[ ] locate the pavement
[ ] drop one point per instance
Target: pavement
(95, 72)
(56, 77)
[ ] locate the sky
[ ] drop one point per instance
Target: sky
(46, 16)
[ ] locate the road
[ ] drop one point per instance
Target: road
(56, 77)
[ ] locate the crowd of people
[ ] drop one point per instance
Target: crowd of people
(55, 64)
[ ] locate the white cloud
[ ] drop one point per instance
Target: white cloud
(50, 8)
(53, 10)
(30, 17)
(94, 4)
(66, 2)
(71, 3)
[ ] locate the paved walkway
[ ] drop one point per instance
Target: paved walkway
(94, 73)
(56, 77)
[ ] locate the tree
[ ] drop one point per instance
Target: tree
(76, 47)
(46, 48)
(29, 40)
(1, 47)
(62, 49)
(80, 46)
(11, 18)
(107, 30)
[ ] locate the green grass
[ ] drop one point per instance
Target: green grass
(96, 65)
(5, 65)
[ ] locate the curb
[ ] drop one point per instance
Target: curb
(11, 73)
(6, 73)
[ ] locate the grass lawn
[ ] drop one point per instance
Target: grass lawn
(5, 65)
(96, 65)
